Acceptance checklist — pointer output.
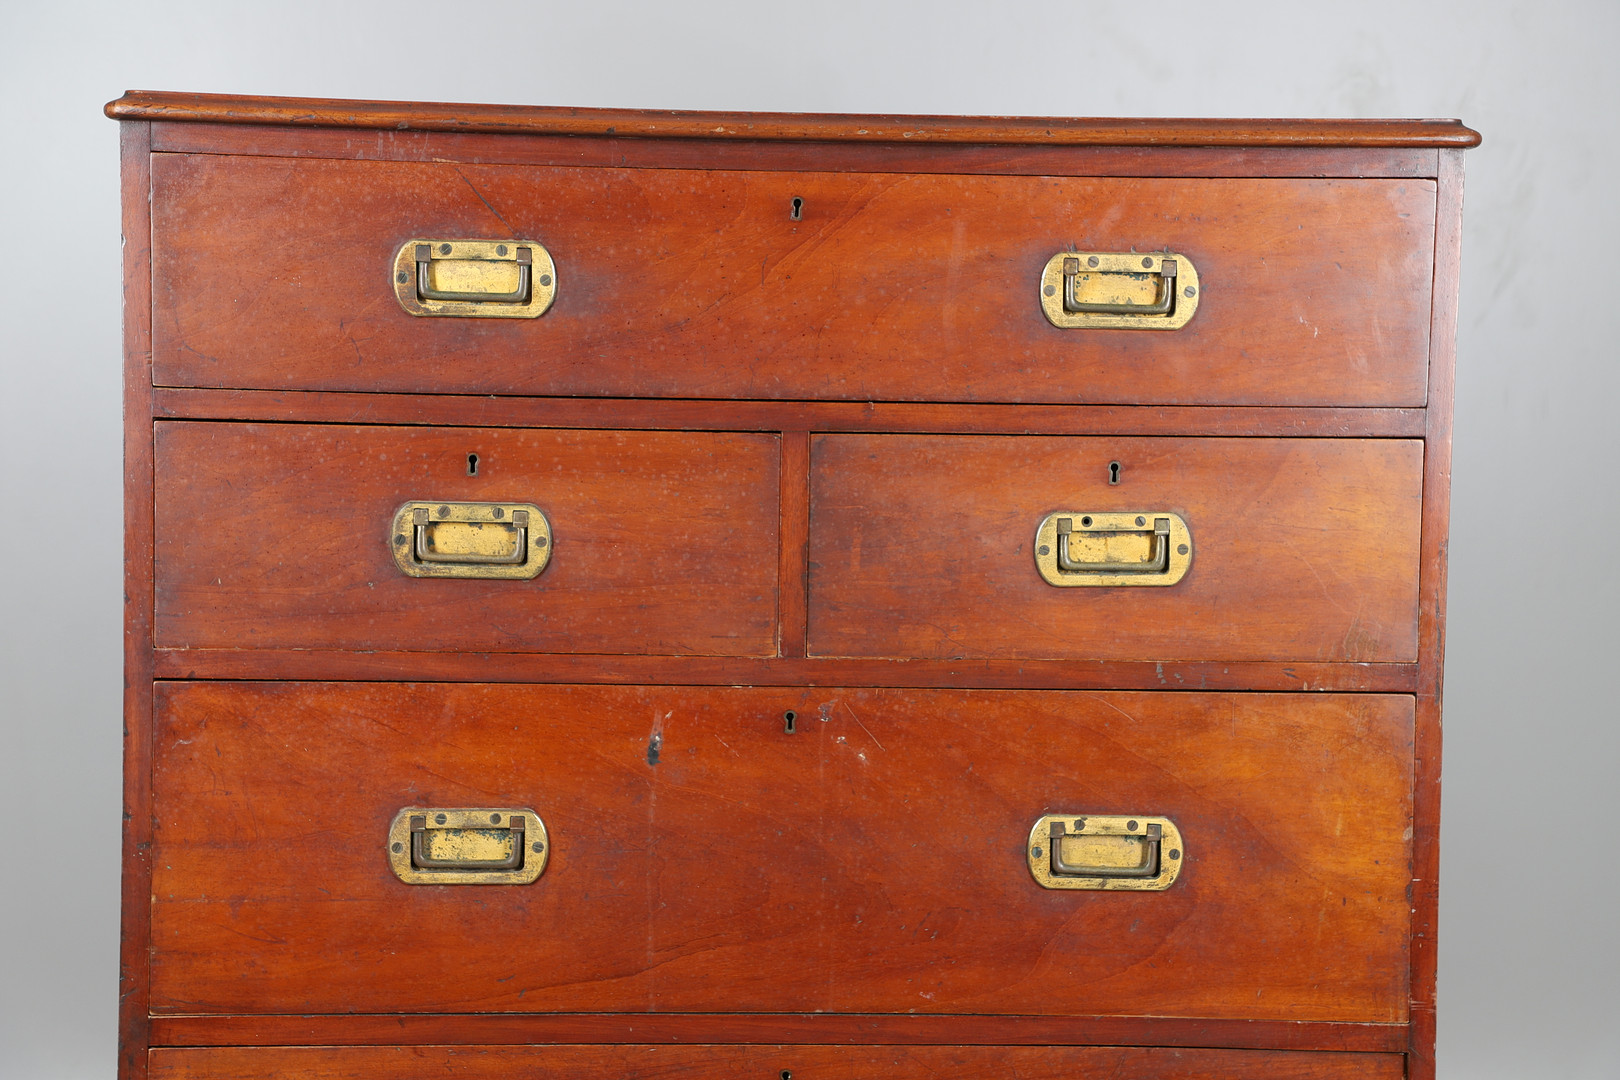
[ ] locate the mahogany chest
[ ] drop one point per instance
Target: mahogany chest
(692, 595)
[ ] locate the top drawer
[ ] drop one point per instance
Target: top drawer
(279, 273)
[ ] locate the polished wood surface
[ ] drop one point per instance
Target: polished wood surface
(1303, 549)
(716, 126)
(767, 1063)
(895, 1029)
(697, 284)
(703, 859)
(277, 536)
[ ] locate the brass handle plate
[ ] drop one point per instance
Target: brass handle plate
(481, 279)
(471, 540)
(1119, 290)
(1101, 852)
(1076, 548)
(430, 845)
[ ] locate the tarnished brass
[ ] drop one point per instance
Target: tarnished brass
(1119, 290)
(471, 540)
(1068, 851)
(1076, 548)
(430, 845)
(481, 279)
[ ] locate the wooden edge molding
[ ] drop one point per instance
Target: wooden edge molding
(741, 1028)
(336, 665)
(675, 414)
(669, 124)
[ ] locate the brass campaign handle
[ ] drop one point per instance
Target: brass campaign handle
(470, 540)
(516, 825)
(467, 845)
(1137, 854)
(1149, 867)
(425, 552)
(1119, 290)
(474, 279)
(1104, 540)
(1161, 306)
(1158, 563)
(426, 291)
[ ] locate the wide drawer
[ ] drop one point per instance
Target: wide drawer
(766, 1063)
(284, 536)
(1299, 549)
(279, 273)
(703, 858)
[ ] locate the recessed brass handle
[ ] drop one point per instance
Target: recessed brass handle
(516, 827)
(1157, 563)
(482, 279)
(426, 291)
(421, 521)
(1166, 293)
(467, 845)
(1073, 548)
(1101, 852)
(1119, 290)
(471, 540)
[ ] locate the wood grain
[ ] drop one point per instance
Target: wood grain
(705, 860)
(278, 536)
(272, 273)
(767, 1063)
(1043, 130)
(1304, 550)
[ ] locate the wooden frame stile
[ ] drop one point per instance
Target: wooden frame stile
(136, 908)
(794, 574)
(1431, 617)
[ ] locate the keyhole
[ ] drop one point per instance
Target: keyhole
(472, 464)
(1113, 472)
(798, 210)
(789, 720)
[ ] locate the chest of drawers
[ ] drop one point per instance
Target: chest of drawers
(639, 594)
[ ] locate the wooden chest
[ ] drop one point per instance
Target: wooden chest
(692, 595)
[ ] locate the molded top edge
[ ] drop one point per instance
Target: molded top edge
(651, 123)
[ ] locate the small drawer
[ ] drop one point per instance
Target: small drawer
(703, 858)
(303, 274)
(301, 536)
(1275, 549)
(711, 1062)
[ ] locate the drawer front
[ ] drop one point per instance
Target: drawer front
(283, 536)
(278, 273)
(704, 859)
(766, 1063)
(1300, 549)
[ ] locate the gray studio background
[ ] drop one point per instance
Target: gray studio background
(1529, 943)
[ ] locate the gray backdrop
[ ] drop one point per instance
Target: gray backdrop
(1529, 964)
